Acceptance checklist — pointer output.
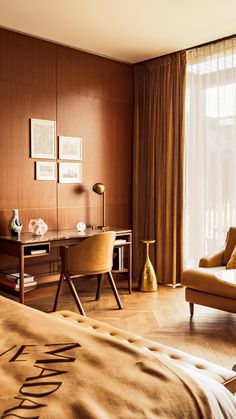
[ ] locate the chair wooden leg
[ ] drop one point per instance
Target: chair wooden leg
(75, 295)
(191, 307)
(99, 279)
(58, 291)
(114, 289)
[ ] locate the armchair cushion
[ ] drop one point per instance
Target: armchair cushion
(230, 244)
(202, 279)
(232, 262)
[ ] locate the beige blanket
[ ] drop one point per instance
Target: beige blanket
(51, 369)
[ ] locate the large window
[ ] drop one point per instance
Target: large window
(210, 163)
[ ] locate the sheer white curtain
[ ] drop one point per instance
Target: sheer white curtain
(210, 153)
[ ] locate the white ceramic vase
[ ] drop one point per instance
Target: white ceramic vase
(81, 226)
(15, 225)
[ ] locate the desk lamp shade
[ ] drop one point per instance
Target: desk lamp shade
(100, 189)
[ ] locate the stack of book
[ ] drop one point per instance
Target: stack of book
(13, 281)
(118, 258)
(118, 255)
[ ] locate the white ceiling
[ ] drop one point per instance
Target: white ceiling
(126, 30)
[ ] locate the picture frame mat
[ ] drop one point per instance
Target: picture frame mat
(45, 170)
(70, 172)
(70, 148)
(43, 138)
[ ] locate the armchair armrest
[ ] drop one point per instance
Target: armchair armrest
(212, 260)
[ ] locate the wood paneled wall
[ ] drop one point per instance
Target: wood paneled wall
(95, 102)
(89, 97)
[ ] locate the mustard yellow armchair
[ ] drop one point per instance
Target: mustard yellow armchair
(206, 286)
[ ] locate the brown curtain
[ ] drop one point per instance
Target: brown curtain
(159, 94)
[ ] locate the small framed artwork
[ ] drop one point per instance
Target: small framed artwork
(45, 170)
(70, 172)
(43, 139)
(70, 148)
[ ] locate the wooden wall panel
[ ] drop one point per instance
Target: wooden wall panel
(26, 60)
(95, 102)
(90, 75)
(18, 103)
(90, 97)
(28, 90)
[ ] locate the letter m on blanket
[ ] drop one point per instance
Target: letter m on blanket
(58, 353)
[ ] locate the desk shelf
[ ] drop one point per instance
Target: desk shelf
(122, 244)
(36, 250)
(120, 271)
(16, 293)
(122, 264)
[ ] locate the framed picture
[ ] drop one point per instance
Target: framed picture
(45, 170)
(70, 148)
(70, 172)
(43, 139)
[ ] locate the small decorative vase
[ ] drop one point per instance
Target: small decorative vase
(148, 279)
(15, 225)
(81, 226)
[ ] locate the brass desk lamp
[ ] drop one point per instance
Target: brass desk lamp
(100, 189)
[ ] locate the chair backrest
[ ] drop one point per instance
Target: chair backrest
(230, 244)
(91, 255)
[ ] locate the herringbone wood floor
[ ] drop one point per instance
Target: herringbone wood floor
(162, 316)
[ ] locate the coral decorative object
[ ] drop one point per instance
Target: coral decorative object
(81, 226)
(15, 225)
(38, 227)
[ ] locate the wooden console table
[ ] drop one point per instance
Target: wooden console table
(29, 246)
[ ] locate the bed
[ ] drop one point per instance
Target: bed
(64, 365)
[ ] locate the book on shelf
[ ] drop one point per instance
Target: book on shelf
(118, 258)
(16, 286)
(15, 277)
(38, 251)
(120, 241)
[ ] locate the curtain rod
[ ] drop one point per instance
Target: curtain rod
(188, 49)
(211, 42)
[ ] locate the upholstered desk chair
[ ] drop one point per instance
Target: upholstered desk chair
(91, 256)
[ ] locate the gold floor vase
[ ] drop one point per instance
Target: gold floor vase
(148, 279)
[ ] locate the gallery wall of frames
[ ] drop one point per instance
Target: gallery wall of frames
(87, 102)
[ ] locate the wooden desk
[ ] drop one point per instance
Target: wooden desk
(29, 246)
